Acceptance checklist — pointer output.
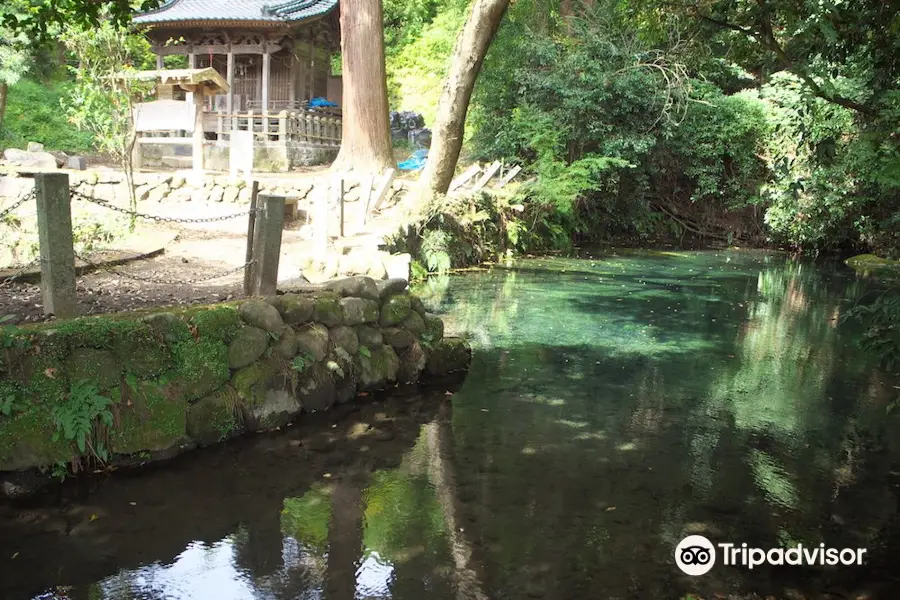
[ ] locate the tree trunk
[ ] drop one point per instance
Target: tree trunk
(345, 533)
(471, 47)
(4, 89)
(366, 143)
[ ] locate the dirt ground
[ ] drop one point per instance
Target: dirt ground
(199, 252)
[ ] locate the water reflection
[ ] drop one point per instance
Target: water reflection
(614, 406)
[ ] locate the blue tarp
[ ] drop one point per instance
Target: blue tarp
(415, 162)
(321, 102)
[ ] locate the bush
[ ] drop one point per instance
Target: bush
(34, 114)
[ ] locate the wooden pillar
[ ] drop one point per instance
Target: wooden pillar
(54, 221)
(229, 76)
(198, 132)
(292, 92)
(159, 62)
(266, 68)
(192, 64)
(311, 93)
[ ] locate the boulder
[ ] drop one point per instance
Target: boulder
(412, 362)
(390, 287)
(159, 193)
(230, 194)
(97, 366)
(416, 304)
(293, 308)
(76, 163)
(34, 147)
(357, 287)
(357, 311)
(394, 310)
(249, 344)
(397, 337)
(216, 194)
(312, 340)
(340, 368)
(214, 418)
(277, 408)
(316, 389)
(378, 368)
(368, 336)
(286, 346)
(153, 418)
(23, 158)
(434, 329)
(414, 323)
(328, 310)
(397, 266)
(344, 337)
(168, 325)
(449, 355)
(261, 314)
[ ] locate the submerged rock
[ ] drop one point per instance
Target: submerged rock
(448, 356)
(378, 368)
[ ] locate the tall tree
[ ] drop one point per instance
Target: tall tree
(366, 143)
(471, 47)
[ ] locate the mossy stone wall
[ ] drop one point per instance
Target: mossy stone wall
(102, 389)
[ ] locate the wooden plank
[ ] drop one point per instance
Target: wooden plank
(488, 173)
(508, 177)
(466, 176)
(383, 187)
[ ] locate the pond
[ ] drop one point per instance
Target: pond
(615, 405)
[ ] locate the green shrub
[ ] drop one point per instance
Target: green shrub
(34, 114)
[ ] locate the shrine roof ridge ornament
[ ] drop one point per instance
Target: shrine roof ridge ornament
(238, 11)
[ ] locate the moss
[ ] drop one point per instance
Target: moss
(251, 381)
(26, 440)
(143, 351)
(327, 310)
(869, 263)
(395, 310)
(152, 417)
(215, 417)
(200, 367)
(217, 323)
(98, 366)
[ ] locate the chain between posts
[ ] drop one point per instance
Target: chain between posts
(9, 280)
(157, 218)
(16, 204)
(159, 280)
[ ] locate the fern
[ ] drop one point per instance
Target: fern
(75, 418)
(436, 250)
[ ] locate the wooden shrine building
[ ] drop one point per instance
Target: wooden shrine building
(276, 58)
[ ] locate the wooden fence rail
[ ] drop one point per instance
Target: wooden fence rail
(284, 126)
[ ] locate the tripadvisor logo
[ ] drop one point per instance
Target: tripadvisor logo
(696, 555)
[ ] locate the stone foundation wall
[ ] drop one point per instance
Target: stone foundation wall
(173, 187)
(125, 389)
(270, 157)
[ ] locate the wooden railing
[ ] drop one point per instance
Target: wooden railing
(286, 126)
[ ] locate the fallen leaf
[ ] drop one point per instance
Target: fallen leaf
(133, 503)
(448, 393)
(609, 508)
(49, 372)
(93, 518)
(14, 556)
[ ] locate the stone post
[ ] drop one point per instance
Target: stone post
(267, 244)
(54, 221)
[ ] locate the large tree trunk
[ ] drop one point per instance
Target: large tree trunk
(345, 533)
(471, 46)
(4, 89)
(366, 143)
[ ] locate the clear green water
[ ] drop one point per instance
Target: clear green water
(613, 407)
